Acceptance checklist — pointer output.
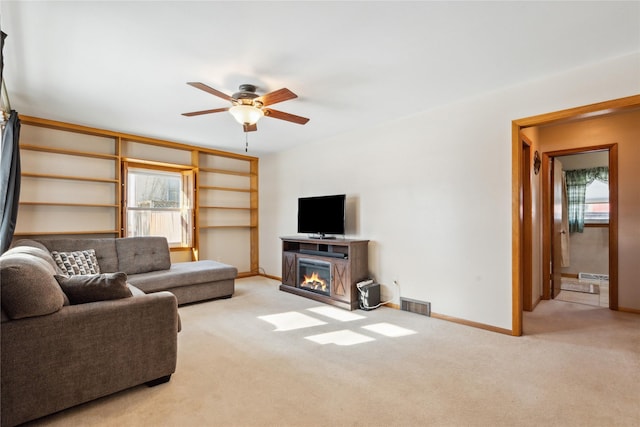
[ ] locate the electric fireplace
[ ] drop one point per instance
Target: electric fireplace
(339, 263)
(314, 275)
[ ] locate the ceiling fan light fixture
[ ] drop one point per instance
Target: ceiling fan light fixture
(246, 114)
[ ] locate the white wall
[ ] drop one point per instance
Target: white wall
(584, 160)
(433, 191)
(589, 252)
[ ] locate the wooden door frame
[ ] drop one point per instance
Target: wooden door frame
(527, 234)
(517, 226)
(547, 206)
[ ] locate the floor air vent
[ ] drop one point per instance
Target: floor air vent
(593, 276)
(414, 306)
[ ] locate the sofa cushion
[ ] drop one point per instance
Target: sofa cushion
(39, 251)
(81, 288)
(183, 274)
(105, 250)
(143, 254)
(30, 243)
(28, 286)
(77, 262)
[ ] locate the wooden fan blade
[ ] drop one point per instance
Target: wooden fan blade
(284, 116)
(197, 113)
(210, 90)
(276, 96)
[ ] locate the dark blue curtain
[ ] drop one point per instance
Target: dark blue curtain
(2, 37)
(9, 180)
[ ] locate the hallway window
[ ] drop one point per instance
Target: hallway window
(596, 202)
(577, 181)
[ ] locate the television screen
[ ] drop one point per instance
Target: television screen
(321, 215)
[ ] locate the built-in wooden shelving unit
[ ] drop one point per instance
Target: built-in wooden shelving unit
(227, 204)
(72, 184)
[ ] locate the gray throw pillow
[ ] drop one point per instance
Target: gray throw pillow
(28, 286)
(77, 262)
(81, 288)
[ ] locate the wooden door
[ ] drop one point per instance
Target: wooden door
(557, 229)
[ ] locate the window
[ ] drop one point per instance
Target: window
(577, 181)
(159, 202)
(596, 201)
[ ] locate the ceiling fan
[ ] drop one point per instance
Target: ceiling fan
(249, 107)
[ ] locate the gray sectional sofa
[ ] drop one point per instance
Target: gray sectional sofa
(63, 345)
(147, 262)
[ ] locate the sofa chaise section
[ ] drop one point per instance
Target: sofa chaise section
(190, 281)
(147, 262)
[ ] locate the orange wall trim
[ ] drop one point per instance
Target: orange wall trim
(629, 310)
(470, 323)
(268, 276)
(434, 315)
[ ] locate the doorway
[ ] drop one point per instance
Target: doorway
(518, 213)
(579, 258)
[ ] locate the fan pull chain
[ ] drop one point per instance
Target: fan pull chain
(246, 142)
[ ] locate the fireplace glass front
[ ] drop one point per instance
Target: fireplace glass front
(314, 275)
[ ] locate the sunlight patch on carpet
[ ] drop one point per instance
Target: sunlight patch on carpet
(291, 320)
(336, 313)
(342, 338)
(389, 330)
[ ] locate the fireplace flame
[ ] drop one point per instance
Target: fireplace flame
(314, 282)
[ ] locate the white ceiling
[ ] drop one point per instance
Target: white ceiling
(123, 66)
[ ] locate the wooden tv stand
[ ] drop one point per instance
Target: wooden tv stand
(349, 265)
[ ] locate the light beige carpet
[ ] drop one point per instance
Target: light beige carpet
(269, 358)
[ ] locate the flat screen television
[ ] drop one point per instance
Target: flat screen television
(321, 215)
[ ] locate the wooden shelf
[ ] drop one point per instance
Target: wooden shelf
(68, 152)
(86, 205)
(224, 207)
(226, 226)
(69, 177)
(226, 172)
(62, 233)
(239, 190)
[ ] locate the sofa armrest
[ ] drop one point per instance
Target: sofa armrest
(85, 351)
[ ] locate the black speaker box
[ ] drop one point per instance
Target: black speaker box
(369, 296)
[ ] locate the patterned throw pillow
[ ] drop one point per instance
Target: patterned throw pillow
(77, 262)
